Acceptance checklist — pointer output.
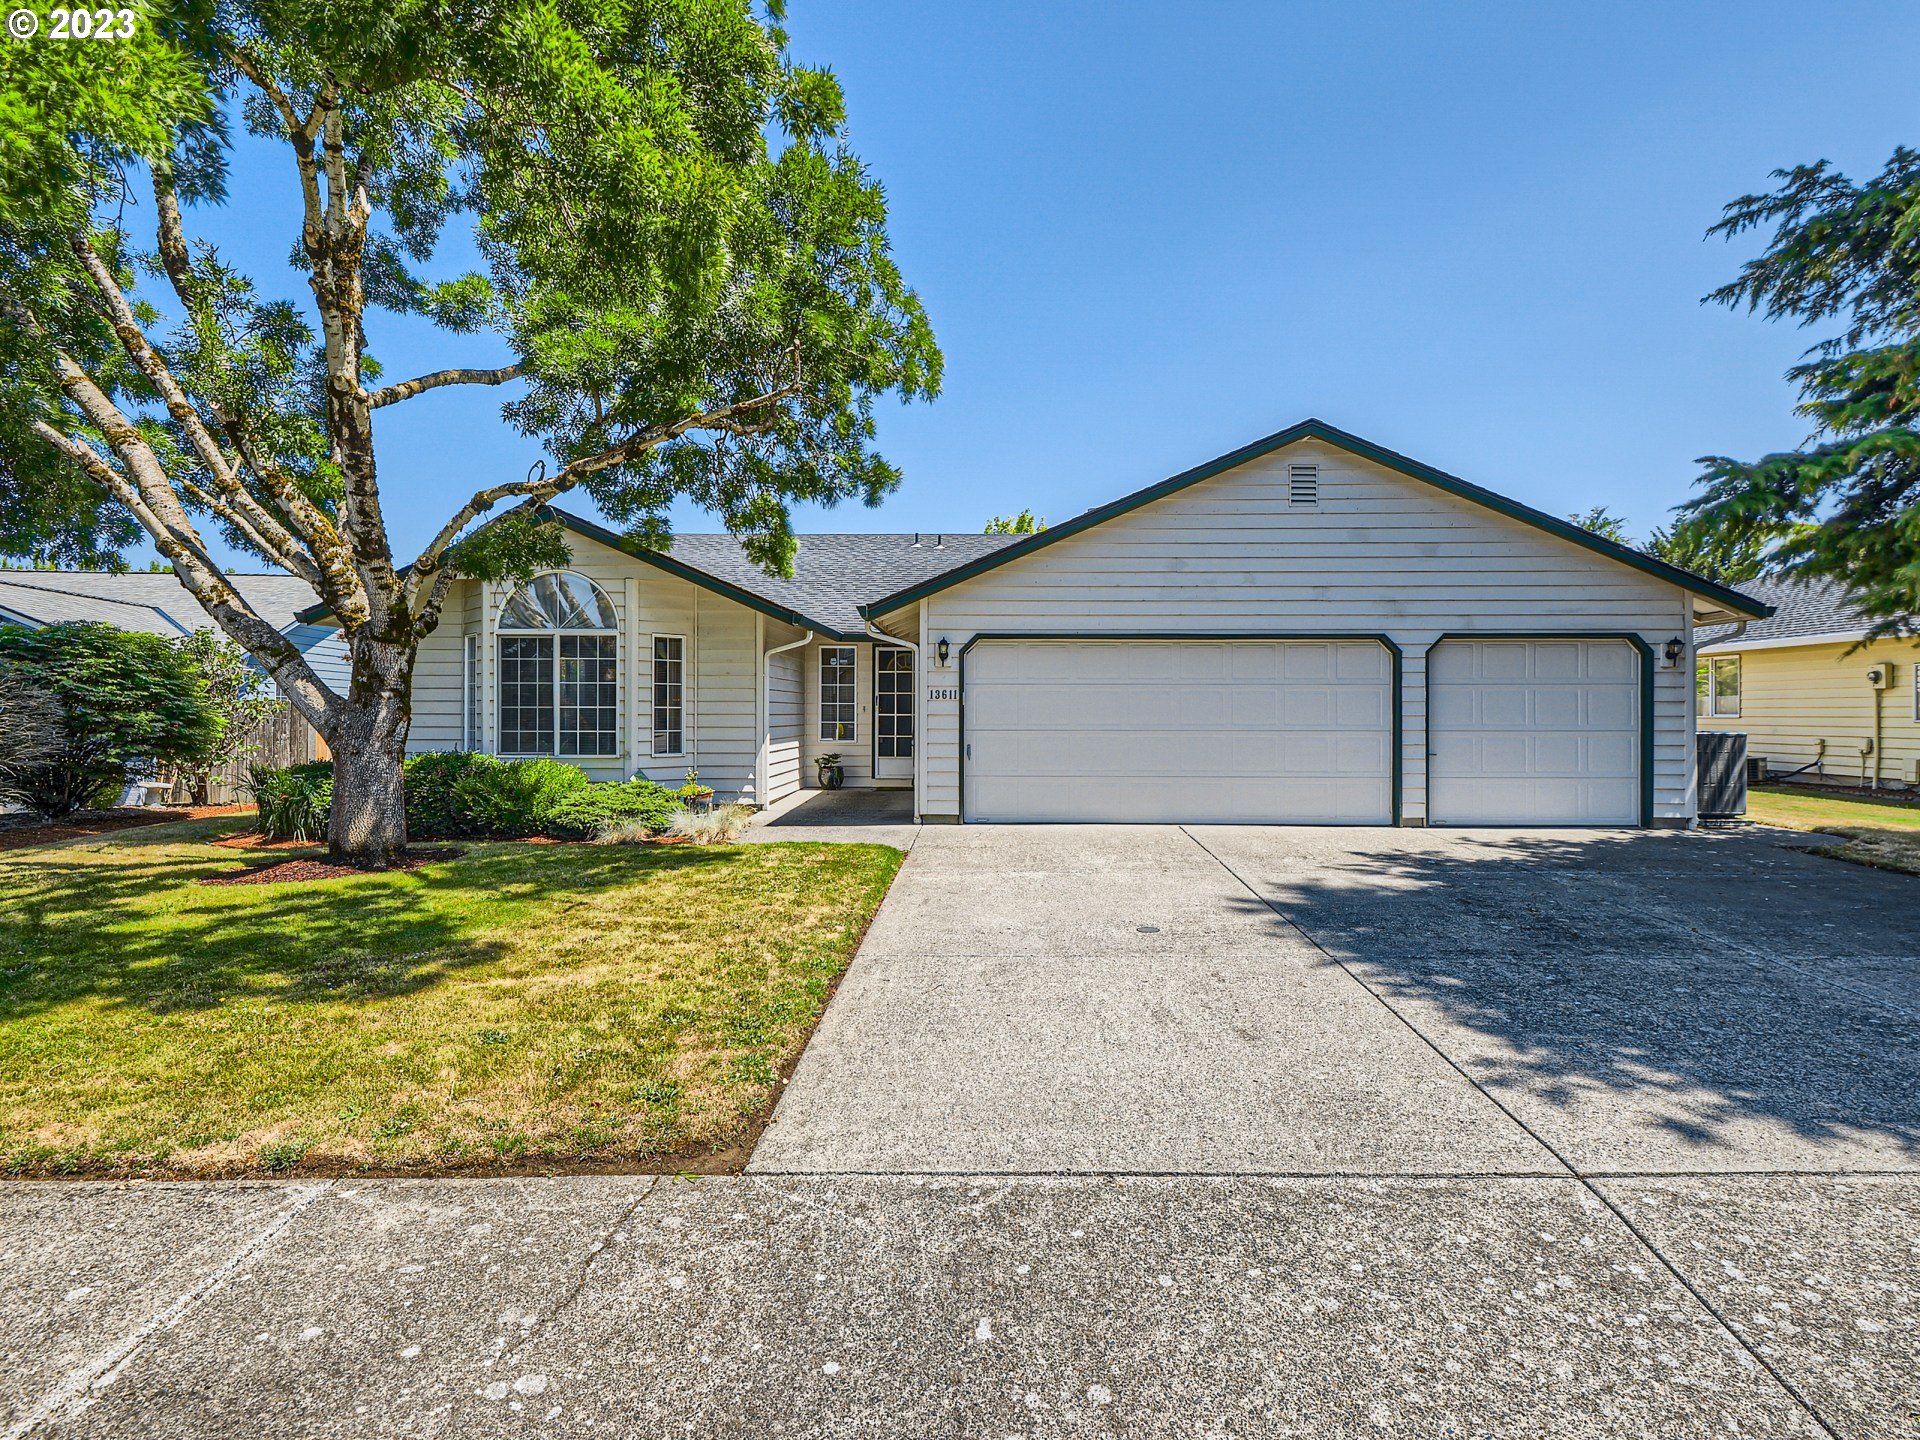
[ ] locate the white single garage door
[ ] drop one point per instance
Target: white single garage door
(1281, 732)
(1533, 732)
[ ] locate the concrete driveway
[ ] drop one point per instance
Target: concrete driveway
(1137, 1133)
(1067, 999)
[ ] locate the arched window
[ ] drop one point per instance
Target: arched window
(559, 669)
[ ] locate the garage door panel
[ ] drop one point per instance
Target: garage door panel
(1242, 731)
(1543, 732)
(1613, 662)
(1364, 709)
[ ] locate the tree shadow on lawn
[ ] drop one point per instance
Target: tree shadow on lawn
(142, 933)
(1695, 982)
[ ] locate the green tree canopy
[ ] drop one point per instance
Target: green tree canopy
(1689, 544)
(1025, 523)
(1847, 506)
(684, 260)
(126, 699)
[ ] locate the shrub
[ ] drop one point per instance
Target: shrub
(512, 799)
(638, 804)
(240, 697)
(29, 731)
(126, 699)
(294, 803)
(434, 808)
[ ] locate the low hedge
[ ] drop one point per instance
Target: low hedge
(584, 814)
(458, 794)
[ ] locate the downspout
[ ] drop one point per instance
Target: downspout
(766, 712)
(875, 632)
(1875, 692)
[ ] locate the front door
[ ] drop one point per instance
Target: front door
(893, 714)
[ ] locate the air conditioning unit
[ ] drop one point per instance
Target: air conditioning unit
(1880, 677)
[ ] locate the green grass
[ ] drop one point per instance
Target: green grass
(523, 1004)
(1882, 832)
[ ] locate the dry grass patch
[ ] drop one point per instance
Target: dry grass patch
(520, 1005)
(1882, 832)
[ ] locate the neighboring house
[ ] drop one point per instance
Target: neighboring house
(1814, 702)
(1310, 629)
(156, 602)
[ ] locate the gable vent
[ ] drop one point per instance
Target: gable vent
(1303, 484)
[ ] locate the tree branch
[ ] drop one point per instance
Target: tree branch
(324, 563)
(180, 543)
(426, 571)
(407, 389)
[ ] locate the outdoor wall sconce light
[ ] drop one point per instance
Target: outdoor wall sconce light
(1675, 648)
(941, 650)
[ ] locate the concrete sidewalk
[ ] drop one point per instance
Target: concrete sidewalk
(912, 1307)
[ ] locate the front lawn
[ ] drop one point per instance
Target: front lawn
(525, 1004)
(1874, 831)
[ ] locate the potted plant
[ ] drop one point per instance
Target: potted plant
(695, 795)
(832, 777)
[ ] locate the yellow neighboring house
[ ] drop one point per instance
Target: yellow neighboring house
(1815, 704)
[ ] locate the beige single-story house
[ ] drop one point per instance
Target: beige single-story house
(1310, 629)
(1817, 701)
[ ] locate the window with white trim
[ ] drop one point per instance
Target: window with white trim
(1717, 687)
(470, 711)
(669, 695)
(838, 692)
(559, 675)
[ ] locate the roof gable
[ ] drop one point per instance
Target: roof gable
(1353, 444)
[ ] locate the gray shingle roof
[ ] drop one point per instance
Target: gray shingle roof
(140, 600)
(833, 575)
(1800, 607)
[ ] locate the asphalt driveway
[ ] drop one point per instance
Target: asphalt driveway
(1137, 1133)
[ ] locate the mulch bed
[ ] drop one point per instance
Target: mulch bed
(285, 871)
(17, 832)
(254, 840)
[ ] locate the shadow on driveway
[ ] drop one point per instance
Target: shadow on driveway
(1643, 1002)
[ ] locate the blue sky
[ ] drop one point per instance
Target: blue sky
(1148, 233)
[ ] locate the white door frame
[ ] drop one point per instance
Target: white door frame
(889, 768)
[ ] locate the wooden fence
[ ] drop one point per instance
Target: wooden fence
(282, 737)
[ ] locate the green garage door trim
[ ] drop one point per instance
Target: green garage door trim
(1641, 648)
(1174, 637)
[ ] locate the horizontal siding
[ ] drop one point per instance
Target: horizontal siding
(438, 690)
(1379, 554)
(786, 723)
(1794, 697)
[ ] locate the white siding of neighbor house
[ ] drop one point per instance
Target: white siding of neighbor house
(1380, 553)
(1792, 697)
(722, 704)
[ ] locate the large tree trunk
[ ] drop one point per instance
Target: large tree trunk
(368, 737)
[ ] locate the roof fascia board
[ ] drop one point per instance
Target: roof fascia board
(1786, 642)
(1319, 430)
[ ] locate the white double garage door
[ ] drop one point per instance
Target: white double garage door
(1519, 732)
